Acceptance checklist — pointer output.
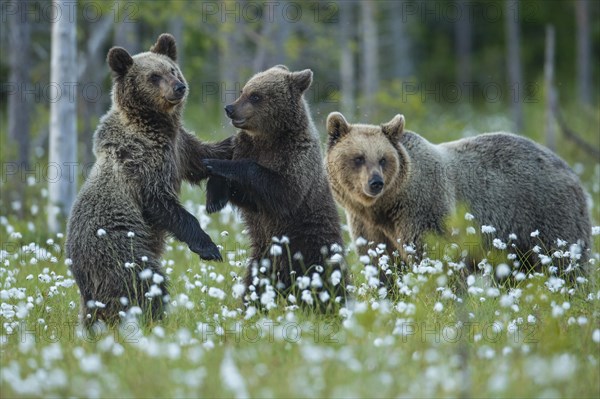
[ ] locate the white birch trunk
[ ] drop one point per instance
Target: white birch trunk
(62, 168)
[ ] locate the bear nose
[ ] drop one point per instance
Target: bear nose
(180, 88)
(376, 184)
(229, 111)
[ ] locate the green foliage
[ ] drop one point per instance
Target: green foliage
(450, 334)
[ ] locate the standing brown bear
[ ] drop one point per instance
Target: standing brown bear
(127, 206)
(396, 186)
(276, 177)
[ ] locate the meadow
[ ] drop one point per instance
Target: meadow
(440, 333)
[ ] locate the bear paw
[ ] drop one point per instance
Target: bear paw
(207, 251)
(217, 194)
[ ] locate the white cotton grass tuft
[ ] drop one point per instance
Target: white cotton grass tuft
(502, 270)
(231, 377)
(360, 242)
(276, 250)
(488, 229)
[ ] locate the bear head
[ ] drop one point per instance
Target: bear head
(272, 103)
(364, 161)
(149, 81)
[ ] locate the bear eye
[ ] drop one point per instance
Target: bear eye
(173, 71)
(154, 78)
(382, 162)
(358, 161)
(254, 98)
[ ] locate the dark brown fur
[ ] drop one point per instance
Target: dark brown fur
(142, 155)
(276, 177)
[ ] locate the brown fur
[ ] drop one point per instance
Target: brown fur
(276, 177)
(142, 155)
(506, 181)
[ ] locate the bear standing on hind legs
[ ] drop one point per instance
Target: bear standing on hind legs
(396, 186)
(128, 205)
(276, 177)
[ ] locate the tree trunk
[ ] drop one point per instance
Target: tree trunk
(402, 67)
(463, 37)
(513, 61)
(176, 25)
(347, 60)
(92, 71)
(127, 35)
(231, 59)
(370, 61)
(19, 108)
(63, 119)
(584, 70)
(549, 86)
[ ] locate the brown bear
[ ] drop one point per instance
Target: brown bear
(396, 186)
(129, 203)
(277, 179)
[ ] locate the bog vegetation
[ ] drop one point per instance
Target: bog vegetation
(440, 332)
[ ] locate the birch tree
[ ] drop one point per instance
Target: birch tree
(62, 176)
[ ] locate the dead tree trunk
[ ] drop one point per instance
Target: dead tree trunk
(347, 61)
(92, 71)
(584, 49)
(370, 60)
(19, 108)
(549, 86)
(463, 36)
(513, 62)
(63, 119)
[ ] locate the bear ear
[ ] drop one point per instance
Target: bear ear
(119, 60)
(394, 128)
(165, 45)
(281, 66)
(301, 80)
(337, 127)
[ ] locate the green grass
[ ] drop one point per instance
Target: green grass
(514, 339)
(436, 337)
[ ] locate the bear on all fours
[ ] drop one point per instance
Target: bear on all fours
(396, 186)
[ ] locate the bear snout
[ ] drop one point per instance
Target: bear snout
(180, 89)
(375, 185)
(229, 111)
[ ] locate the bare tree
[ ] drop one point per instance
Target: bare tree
(347, 61)
(232, 57)
(176, 28)
(463, 36)
(402, 64)
(127, 35)
(370, 59)
(584, 70)
(93, 69)
(19, 109)
(63, 118)
(513, 62)
(549, 86)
